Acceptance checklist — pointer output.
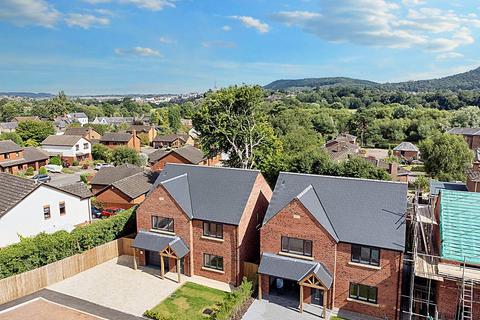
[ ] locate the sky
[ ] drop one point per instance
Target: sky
(178, 46)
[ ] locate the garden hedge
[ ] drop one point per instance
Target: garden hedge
(34, 252)
(234, 301)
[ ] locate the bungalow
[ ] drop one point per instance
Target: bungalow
(25, 118)
(68, 148)
(126, 192)
(186, 154)
(14, 159)
(149, 131)
(113, 120)
(341, 150)
(79, 117)
(108, 175)
(202, 221)
(471, 135)
(172, 141)
(88, 133)
(406, 151)
(114, 140)
(343, 137)
(8, 126)
(335, 242)
(46, 208)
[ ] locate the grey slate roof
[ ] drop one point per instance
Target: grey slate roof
(216, 194)
(7, 146)
(137, 184)
(13, 189)
(115, 136)
(109, 175)
(158, 242)
(61, 140)
(361, 211)
(436, 186)
(78, 189)
(9, 125)
(189, 153)
(293, 269)
(465, 131)
(406, 146)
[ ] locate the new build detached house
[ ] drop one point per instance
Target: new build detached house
(202, 221)
(335, 242)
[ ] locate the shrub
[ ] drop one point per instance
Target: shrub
(75, 163)
(67, 170)
(42, 170)
(84, 177)
(29, 171)
(234, 301)
(56, 160)
(33, 252)
(158, 316)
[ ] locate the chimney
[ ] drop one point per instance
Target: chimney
(393, 169)
(134, 135)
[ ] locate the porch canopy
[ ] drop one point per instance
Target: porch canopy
(311, 274)
(165, 245)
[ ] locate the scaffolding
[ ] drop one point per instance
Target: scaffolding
(428, 268)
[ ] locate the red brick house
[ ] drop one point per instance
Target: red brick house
(335, 242)
(406, 151)
(471, 135)
(176, 140)
(202, 221)
(140, 129)
(186, 154)
(14, 159)
(108, 175)
(115, 139)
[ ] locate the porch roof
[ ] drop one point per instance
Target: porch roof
(294, 269)
(158, 242)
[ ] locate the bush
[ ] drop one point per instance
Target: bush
(67, 170)
(75, 163)
(234, 301)
(30, 171)
(158, 316)
(42, 170)
(56, 160)
(33, 252)
(84, 177)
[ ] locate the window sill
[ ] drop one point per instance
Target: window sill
(163, 232)
(356, 264)
(292, 255)
(213, 270)
(364, 302)
(212, 239)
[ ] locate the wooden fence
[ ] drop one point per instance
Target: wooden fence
(250, 271)
(28, 282)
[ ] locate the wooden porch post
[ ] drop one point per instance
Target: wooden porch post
(178, 269)
(134, 259)
(301, 299)
(324, 313)
(162, 267)
(259, 286)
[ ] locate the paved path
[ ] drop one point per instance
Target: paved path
(266, 310)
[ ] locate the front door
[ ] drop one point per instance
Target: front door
(153, 259)
(317, 297)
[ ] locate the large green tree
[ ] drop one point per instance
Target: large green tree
(36, 130)
(231, 121)
(446, 156)
(123, 155)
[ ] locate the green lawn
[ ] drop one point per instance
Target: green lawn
(189, 301)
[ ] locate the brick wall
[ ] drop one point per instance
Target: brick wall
(170, 158)
(113, 198)
(409, 155)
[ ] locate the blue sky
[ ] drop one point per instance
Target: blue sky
(170, 46)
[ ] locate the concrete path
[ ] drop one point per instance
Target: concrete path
(266, 310)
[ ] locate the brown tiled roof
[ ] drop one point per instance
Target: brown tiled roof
(7, 146)
(77, 131)
(13, 189)
(61, 140)
(171, 137)
(78, 189)
(25, 118)
(137, 184)
(139, 128)
(109, 175)
(192, 154)
(117, 137)
(341, 150)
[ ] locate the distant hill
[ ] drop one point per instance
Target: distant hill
(27, 95)
(463, 81)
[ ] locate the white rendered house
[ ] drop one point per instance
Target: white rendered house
(69, 148)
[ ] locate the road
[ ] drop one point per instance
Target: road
(62, 179)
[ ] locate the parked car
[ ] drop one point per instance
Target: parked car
(99, 166)
(110, 212)
(96, 213)
(42, 178)
(53, 168)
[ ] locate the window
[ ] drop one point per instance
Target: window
(363, 293)
(85, 146)
(365, 255)
(6, 155)
(213, 230)
(61, 207)
(212, 262)
(77, 147)
(18, 154)
(297, 246)
(46, 212)
(161, 223)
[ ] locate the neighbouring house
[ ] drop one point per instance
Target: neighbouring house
(342, 137)
(342, 147)
(68, 148)
(24, 118)
(126, 192)
(14, 159)
(113, 120)
(471, 135)
(149, 131)
(406, 151)
(88, 133)
(80, 117)
(117, 139)
(176, 140)
(473, 174)
(108, 175)
(335, 242)
(28, 208)
(186, 154)
(202, 221)
(396, 172)
(8, 126)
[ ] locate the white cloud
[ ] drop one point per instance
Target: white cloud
(449, 56)
(167, 40)
(219, 44)
(384, 24)
(85, 21)
(138, 51)
(29, 12)
(153, 5)
(226, 28)
(251, 22)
